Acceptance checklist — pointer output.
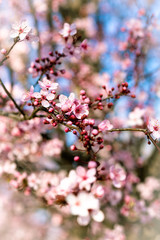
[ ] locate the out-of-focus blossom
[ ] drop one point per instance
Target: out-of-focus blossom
(85, 177)
(85, 205)
(154, 128)
(31, 37)
(33, 181)
(117, 175)
(135, 117)
(115, 234)
(105, 125)
(28, 95)
(68, 30)
(147, 189)
(84, 45)
(135, 25)
(52, 147)
(154, 209)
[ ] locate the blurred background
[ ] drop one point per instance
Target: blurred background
(103, 23)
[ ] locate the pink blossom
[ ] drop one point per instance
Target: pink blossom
(9, 167)
(135, 117)
(64, 100)
(135, 25)
(46, 84)
(80, 110)
(36, 95)
(45, 103)
(154, 128)
(123, 46)
(147, 188)
(72, 51)
(117, 233)
(20, 30)
(85, 205)
(105, 125)
(85, 177)
(16, 132)
(33, 181)
(126, 63)
(28, 95)
(117, 175)
(154, 209)
(3, 51)
(115, 197)
(67, 184)
(68, 30)
(78, 204)
(84, 45)
(31, 37)
(50, 96)
(99, 191)
(52, 147)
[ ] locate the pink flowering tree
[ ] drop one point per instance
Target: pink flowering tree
(79, 120)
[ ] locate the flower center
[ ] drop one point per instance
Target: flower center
(156, 128)
(20, 30)
(77, 203)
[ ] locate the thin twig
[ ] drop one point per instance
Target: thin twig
(128, 129)
(145, 131)
(40, 77)
(153, 141)
(13, 115)
(10, 96)
(6, 55)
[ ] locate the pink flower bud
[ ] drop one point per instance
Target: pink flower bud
(73, 148)
(91, 122)
(45, 121)
(66, 129)
(69, 123)
(51, 110)
(76, 158)
(92, 164)
(3, 51)
(95, 132)
(82, 92)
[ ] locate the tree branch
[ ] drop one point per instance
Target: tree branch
(10, 96)
(6, 55)
(145, 131)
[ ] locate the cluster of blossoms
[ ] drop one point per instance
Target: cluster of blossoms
(115, 234)
(24, 142)
(79, 190)
(83, 196)
(50, 65)
(137, 33)
(105, 176)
